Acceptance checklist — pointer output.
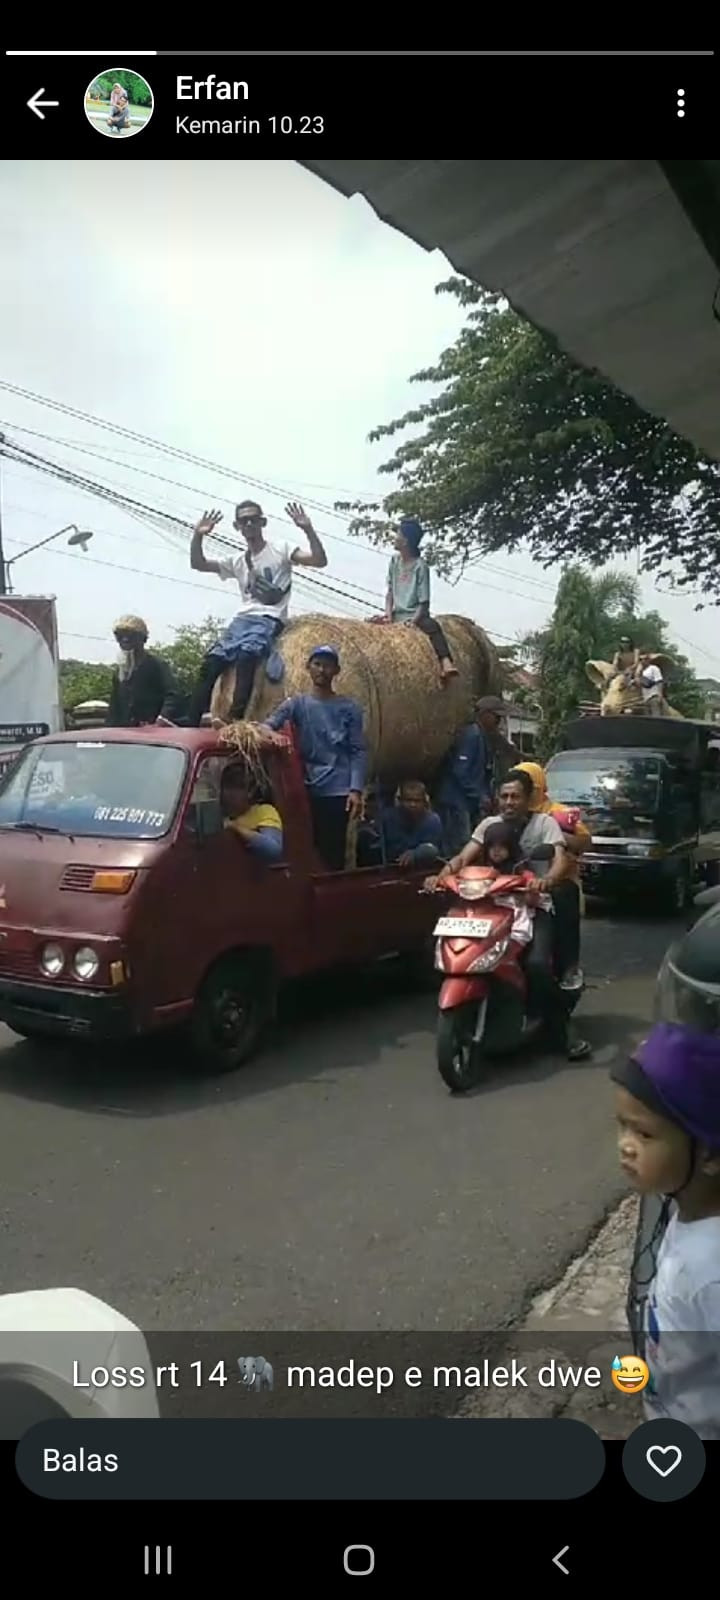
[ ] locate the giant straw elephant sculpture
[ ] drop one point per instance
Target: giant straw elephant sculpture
(620, 694)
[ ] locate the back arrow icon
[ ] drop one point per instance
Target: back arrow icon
(34, 104)
(558, 1563)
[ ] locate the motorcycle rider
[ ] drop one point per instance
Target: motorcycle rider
(501, 850)
(535, 828)
(566, 896)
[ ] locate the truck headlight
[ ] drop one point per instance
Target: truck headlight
(85, 962)
(52, 960)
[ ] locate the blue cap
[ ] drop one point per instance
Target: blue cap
(327, 652)
(412, 531)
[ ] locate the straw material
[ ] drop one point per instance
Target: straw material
(245, 740)
(410, 720)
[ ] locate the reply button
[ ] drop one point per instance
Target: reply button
(311, 1459)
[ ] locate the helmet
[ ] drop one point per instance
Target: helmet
(688, 987)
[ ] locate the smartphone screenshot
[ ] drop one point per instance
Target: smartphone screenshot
(360, 813)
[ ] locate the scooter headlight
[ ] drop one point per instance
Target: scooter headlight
(473, 889)
(491, 957)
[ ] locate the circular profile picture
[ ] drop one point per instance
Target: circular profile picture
(119, 103)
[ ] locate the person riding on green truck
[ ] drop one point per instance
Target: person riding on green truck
(648, 789)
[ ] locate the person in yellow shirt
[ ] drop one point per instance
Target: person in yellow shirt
(252, 818)
(567, 897)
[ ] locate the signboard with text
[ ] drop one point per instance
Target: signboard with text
(30, 704)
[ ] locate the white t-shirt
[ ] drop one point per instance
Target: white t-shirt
(269, 568)
(540, 828)
(651, 680)
(682, 1321)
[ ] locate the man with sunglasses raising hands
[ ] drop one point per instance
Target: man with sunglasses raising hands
(264, 576)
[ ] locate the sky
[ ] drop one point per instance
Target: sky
(247, 313)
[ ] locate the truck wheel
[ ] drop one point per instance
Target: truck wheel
(231, 1009)
(460, 1059)
(677, 892)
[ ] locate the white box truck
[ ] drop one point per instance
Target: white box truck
(30, 703)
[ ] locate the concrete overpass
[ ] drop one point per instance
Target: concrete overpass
(620, 260)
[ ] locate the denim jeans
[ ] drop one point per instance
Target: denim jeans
(457, 828)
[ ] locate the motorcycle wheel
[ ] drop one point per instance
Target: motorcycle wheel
(459, 1058)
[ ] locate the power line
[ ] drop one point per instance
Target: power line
(173, 524)
(141, 511)
(156, 444)
(68, 475)
(176, 453)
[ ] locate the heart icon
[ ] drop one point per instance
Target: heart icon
(656, 1452)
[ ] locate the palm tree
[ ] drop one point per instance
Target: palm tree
(590, 611)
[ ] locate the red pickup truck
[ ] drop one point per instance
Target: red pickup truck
(127, 907)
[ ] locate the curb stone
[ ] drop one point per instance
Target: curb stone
(588, 1300)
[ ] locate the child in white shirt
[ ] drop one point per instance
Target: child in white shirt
(668, 1110)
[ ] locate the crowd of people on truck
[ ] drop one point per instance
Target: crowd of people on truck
(638, 671)
(481, 782)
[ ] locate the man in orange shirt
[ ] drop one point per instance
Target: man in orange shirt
(567, 896)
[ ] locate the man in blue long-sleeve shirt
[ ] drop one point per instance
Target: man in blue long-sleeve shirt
(331, 742)
(462, 790)
(412, 832)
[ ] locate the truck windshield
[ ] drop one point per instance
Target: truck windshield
(607, 786)
(124, 791)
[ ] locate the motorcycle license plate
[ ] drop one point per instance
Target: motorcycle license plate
(463, 928)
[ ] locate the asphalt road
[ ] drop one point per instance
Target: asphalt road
(335, 1184)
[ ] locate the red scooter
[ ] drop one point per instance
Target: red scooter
(484, 1006)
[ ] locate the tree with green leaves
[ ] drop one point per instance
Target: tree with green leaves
(591, 615)
(522, 447)
(135, 87)
(90, 680)
(191, 643)
(84, 680)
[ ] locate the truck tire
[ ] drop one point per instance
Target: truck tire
(232, 1008)
(677, 893)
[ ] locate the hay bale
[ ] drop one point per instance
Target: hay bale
(410, 721)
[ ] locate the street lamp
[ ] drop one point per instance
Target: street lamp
(81, 536)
